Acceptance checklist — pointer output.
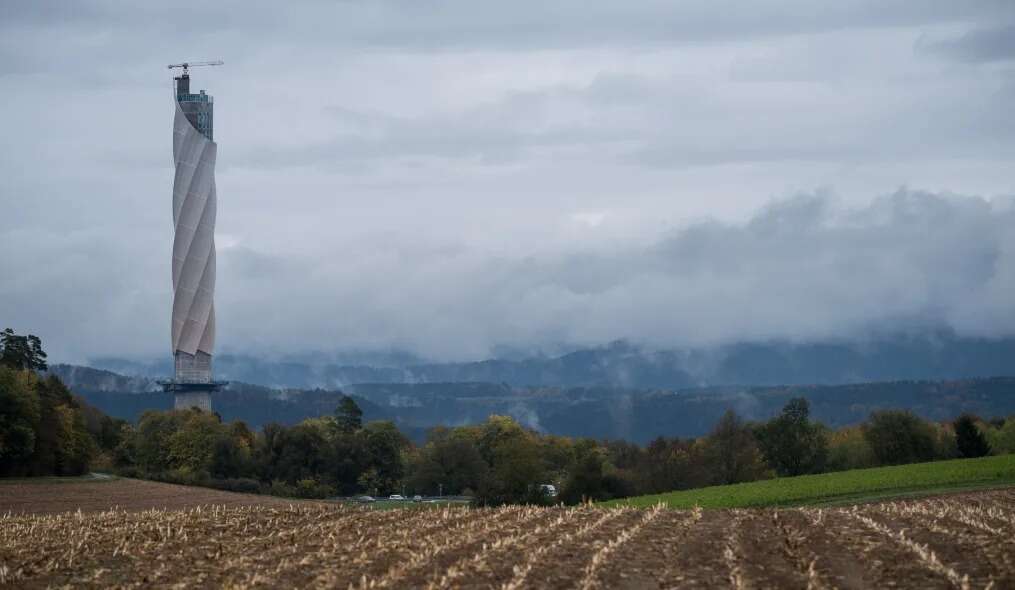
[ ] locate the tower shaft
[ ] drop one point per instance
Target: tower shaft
(193, 265)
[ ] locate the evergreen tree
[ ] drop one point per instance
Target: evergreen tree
(22, 352)
(348, 415)
(969, 439)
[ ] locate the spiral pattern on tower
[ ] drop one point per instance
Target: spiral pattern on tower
(194, 203)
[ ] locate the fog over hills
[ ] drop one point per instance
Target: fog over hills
(615, 391)
(937, 355)
(598, 412)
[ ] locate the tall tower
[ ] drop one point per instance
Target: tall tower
(193, 328)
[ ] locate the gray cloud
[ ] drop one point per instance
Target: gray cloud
(456, 178)
(458, 24)
(979, 45)
(804, 268)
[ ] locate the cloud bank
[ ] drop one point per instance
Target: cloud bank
(806, 268)
(801, 269)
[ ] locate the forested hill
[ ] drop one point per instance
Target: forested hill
(600, 412)
(930, 356)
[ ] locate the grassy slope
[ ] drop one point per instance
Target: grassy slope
(846, 486)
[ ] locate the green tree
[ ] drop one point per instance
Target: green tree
(22, 352)
(496, 432)
(346, 460)
(348, 415)
(1002, 437)
(898, 436)
(192, 446)
(968, 438)
(107, 431)
(19, 418)
(586, 478)
(674, 464)
(384, 445)
(515, 476)
(517, 467)
(63, 445)
(371, 482)
(125, 454)
(791, 443)
(299, 452)
(232, 451)
(733, 452)
(151, 449)
(848, 449)
(624, 454)
(449, 462)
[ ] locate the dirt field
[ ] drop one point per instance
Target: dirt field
(965, 540)
(46, 497)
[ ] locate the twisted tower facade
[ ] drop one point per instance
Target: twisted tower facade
(194, 202)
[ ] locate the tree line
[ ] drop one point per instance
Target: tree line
(45, 430)
(499, 461)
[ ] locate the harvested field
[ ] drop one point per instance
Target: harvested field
(48, 497)
(959, 541)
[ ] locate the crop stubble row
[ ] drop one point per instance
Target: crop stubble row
(959, 541)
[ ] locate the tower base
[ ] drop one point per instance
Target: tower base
(184, 400)
(192, 395)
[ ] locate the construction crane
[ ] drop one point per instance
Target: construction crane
(191, 64)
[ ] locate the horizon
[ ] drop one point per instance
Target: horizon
(396, 358)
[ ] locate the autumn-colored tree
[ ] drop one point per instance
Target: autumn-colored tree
(42, 427)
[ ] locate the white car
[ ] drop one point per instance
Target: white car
(396, 497)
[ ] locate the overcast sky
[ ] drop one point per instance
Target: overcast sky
(453, 177)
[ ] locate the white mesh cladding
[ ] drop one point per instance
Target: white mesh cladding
(193, 238)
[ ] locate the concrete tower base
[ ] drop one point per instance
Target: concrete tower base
(188, 395)
(184, 400)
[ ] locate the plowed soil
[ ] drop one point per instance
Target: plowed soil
(42, 497)
(959, 541)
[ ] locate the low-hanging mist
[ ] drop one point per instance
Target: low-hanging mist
(802, 269)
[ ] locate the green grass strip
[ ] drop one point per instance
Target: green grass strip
(844, 487)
